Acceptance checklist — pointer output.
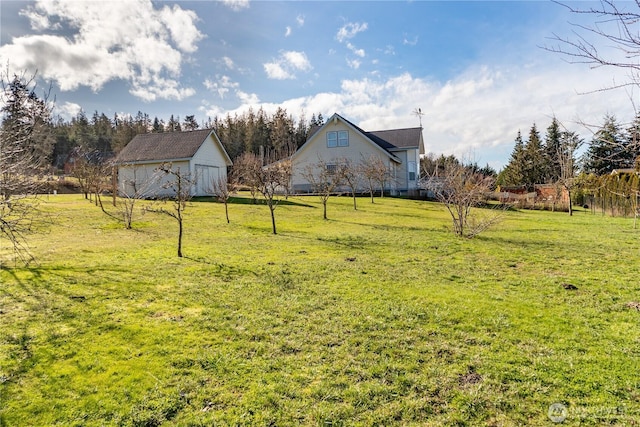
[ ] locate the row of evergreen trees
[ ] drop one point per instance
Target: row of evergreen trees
(250, 132)
(541, 161)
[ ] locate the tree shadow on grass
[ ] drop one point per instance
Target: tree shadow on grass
(250, 201)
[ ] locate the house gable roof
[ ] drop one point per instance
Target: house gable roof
(399, 138)
(151, 147)
(388, 140)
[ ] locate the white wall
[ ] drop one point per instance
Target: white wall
(360, 149)
(208, 164)
(145, 181)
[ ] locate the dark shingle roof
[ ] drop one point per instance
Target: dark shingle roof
(398, 138)
(163, 146)
(393, 138)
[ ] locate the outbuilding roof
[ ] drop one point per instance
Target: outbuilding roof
(163, 146)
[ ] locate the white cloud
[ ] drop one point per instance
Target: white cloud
(222, 86)
(477, 113)
(132, 41)
(68, 110)
(298, 60)
(349, 30)
(228, 62)
(248, 98)
(286, 65)
(287, 32)
(354, 63)
(410, 42)
(276, 71)
(236, 5)
(181, 26)
(300, 20)
(356, 51)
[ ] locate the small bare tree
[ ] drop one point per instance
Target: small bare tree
(92, 172)
(461, 189)
(374, 172)
(325, 178)
(179, 185)
(269, 180)
(130, 192)
(222, 189)
(352, 178)
(244, 173)
(569, 144)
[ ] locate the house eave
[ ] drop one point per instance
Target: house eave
(151, 161)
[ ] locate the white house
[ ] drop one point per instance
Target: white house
(339, 140)
(198, 154)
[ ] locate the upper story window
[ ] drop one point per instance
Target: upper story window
(338, 138)
(412, 171)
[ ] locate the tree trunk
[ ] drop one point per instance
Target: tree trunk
(570, 202)
(324, 209)
(180, 237)
(226, 211)
(273, 218)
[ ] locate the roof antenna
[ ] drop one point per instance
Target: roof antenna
(418, 112)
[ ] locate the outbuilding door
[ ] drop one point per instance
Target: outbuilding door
(205, 179)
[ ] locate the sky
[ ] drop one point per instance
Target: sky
(477, 70)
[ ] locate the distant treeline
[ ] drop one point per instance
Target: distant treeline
(251, 131)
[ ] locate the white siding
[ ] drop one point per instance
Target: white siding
(208, 164)
(145, 181)
(359, 149)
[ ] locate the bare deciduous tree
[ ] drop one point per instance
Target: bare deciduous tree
(180, 185)
(569, 144)
(374, 172)
(269, 180)
(615, 28)
(325, 178)
(352, 178)
(130, 193)
(25, 143)
(222, 189)
(244, 172)
(461, 189)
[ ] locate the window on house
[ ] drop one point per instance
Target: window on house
(332, 139)
(338, 138)
(332, 169)
(343, 138)
(412, 171)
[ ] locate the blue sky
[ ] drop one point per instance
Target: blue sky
(476, 69)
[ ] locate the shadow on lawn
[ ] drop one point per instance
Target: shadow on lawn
(250, 201)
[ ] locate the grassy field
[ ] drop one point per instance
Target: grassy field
(379, 316)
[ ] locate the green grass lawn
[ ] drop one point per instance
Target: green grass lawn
(379, 316)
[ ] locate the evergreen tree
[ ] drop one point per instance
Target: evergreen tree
(281, 134)
(158, 126)
(632, 144)
(81, 133)
(513, 173)
(102, 129)
(606, 150)
(190, 123)
(534, 160)
(26, 136)
(551, 150)
(173, 125)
